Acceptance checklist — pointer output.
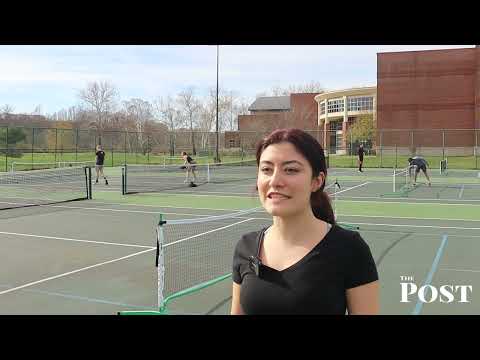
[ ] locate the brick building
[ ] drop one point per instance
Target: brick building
(337, 111)
(427, 90)
(419, 95)
(269, 113)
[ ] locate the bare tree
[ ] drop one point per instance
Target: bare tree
(241, 106)
(140, 112)
(37, 110)
(190, 107)
(100, 97)
(167, 111)
(311, 87)
(208, 113)
(70, 114)
(278, 91)
(224, 110)
(261, 94)
(230, 118)
(6, 109)
(206, 121)
(234, 106)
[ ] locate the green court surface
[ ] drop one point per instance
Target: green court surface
(98, 256)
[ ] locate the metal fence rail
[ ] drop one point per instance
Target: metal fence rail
(386, 148)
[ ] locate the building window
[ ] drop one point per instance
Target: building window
(335, 125)
(232, 143)
(360, 103)
(322, 108)
(335, 106)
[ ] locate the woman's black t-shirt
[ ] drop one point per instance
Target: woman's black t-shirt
(316, 284)
(100, 157)
(360, 153)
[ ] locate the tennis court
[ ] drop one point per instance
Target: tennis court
(97, 256)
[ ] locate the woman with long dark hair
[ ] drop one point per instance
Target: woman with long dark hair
(304, 263)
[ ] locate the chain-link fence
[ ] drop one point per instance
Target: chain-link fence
(386, 148)
(392, 148)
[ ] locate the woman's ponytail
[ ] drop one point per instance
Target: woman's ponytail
(322, 207)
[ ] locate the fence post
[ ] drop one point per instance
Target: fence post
(443, 144)
(148, 149)
(76, 145)
(56, 140)
(475, 153)
(396, 157)
(125, 148)
(411, 145)
(33, 144)
(381, 149)
(136, 148)
(6, 152)
(112, 152)
(351, 150)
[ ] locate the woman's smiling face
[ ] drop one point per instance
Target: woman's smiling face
(285, 180)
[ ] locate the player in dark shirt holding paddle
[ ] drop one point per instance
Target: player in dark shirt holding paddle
(360, 157)
(100, 158)
(421, 164)
(189, 165)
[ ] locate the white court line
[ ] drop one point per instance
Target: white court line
(73, 272)
(119, 190)
(258, 218)
(166, 206)
(421, 233)
(165, 194)
(82, 298)
(76, 240)
(353, 187)
(208, 192)
(113, 210)
(418, 226)
(408, 203)
(404, 217)
(461, 192)
(139, 205)
(207, 232)
(409, 200)
(82, 208)
(418, 306)
(400, 225)
(463, 270)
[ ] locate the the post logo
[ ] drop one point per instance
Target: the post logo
(429, 293)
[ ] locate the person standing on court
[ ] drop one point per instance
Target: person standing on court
(420, 164)
(361, 151)
(305, 263)
(100, 158)
(189, 165)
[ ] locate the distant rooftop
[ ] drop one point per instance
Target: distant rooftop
(271, 103)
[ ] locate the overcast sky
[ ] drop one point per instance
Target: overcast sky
(51, 76)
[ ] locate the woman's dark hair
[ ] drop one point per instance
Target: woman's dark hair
(311, 149)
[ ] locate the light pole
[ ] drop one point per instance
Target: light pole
(217, 157)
